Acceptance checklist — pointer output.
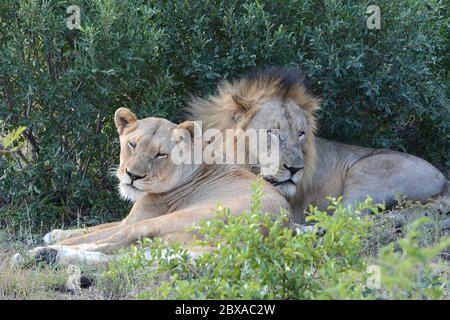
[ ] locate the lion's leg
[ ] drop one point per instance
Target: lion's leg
(71, 250)
(173, 227)
(58, 235)
(142, 209)
(91, 237)
(95, 253)
(63, 254)
(186, 239)
(382, 176)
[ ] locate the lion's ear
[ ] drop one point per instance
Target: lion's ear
(242, 107)
(192, 126)
(187, 132)
(124, 118)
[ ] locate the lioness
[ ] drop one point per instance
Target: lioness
(168, 198)
(312, 168)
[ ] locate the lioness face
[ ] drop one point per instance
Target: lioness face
(145, 162)
(290, 122)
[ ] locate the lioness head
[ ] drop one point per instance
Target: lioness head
(146, 165)
(272, 99)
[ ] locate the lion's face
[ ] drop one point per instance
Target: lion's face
(145, 156)
(291, 129)
(270, 99)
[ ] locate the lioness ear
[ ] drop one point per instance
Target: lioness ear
(124, 118)
(242, 107)
(187, 131)
(190, 126)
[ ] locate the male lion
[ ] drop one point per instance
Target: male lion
(312, 168)
(168, 197)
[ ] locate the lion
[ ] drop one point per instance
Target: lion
(312, 168)
(168, 197)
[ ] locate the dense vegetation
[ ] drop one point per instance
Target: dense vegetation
(345, 256)
(329, 262)
(383, 88)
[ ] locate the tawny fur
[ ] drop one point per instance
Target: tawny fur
(169, 199)
(237, 102)
(331, 169)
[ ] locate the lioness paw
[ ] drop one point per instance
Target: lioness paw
(44, 254)
(55, 236)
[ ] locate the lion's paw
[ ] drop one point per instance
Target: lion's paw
(40, 254)
(54, 236)
(44, 254)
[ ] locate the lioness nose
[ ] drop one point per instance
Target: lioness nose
(293, 170)
(133, 176)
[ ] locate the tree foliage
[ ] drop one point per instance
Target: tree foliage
(381, 88)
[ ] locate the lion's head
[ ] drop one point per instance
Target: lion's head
(146, 165)
(272, 99)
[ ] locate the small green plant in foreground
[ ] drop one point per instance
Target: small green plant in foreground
(257, 257)
(410, 273)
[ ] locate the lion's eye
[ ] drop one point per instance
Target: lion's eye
(301, 134)
(132, 145)
(273, 131)
(160, 155)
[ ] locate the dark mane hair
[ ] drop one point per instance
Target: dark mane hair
(287, 78)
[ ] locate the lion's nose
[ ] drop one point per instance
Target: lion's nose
(293, 170)
(133, 176)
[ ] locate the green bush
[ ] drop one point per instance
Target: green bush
(328, 263)
(383, 88)
(409, 272)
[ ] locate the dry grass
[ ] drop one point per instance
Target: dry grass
(390, 226)
(44, 282)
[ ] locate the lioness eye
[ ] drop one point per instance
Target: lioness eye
(160, 155)
(273, 131)
(301, 134)
(132, 145)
